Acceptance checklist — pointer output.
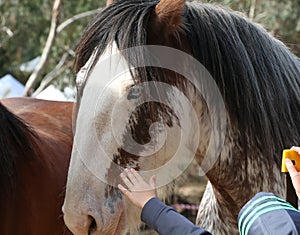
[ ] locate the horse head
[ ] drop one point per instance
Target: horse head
(160, 83)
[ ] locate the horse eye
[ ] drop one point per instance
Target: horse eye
(135, 92)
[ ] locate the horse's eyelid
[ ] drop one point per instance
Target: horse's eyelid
(130, 86)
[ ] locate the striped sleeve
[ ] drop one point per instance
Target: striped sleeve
(266, 214)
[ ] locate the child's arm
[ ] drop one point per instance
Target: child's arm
(164, 219)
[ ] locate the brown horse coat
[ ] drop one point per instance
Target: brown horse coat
(31, 200)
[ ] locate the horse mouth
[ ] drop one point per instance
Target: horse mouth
(93, 227)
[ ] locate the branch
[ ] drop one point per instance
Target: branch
(59, 68)
(79, 16)
(34, 77)
(252, 9)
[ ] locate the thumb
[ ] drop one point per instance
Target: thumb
(152, 181)
(296, 149)
(290, 166)
(123, 189)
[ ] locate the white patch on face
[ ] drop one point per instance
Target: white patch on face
(94, 140)
(94, 144)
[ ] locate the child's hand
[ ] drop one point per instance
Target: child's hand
(139, 192)
(295, 175)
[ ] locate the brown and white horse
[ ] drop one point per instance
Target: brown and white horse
(152, 107)
(35, 148)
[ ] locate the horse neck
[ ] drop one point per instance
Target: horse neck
(238, 175)
(211, 212)
(234, 180)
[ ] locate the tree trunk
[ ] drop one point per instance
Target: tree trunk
(35, 76)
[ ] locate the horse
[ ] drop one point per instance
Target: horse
(35, 146)
(240, 120)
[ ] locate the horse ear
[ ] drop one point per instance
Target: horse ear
(169, 12)
(108, 2)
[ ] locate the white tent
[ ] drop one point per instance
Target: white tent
(30, 65)
(10, 87)
(52, 93)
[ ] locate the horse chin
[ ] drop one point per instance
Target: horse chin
(119, 227)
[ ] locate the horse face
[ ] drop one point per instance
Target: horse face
(121, 123)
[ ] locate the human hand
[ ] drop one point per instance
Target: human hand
(295, 175)
(139, 192)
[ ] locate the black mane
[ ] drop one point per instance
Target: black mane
(257, 75)
(16, 146)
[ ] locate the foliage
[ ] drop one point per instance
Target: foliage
(17, 41)
(24, 27)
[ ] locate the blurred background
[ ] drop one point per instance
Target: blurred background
(38, 38)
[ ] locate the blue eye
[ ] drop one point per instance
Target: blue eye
(135, 92)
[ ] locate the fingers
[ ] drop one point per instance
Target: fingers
(134, 181)
(297, 149)
(126, 180)
(131, 179)
(126, 192)
(291, 168)
(137, 176)
(132, 175)
(123, 189)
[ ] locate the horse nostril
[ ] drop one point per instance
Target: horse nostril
(93, 226)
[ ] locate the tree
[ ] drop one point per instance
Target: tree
(24, 28)
(18, 43)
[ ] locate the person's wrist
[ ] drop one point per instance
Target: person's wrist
(146, 200)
